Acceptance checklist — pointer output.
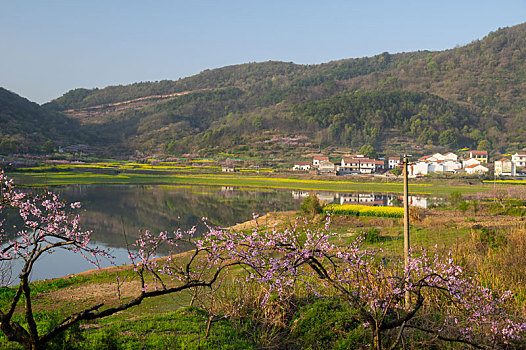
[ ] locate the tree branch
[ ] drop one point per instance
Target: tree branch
(456, 340)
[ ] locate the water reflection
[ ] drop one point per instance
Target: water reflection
(117, 213)
(112, 210)
(368, 198)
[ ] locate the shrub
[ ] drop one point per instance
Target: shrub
(311, 205)
(463, 206)
(372, 235)
(416, 214)
(396, 171)
(488, 237)
(455, 198)
(327, 324)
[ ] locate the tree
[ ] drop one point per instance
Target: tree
(7, 146)
(257, 123)
(397, 171)
(311, 206)
(484, 145)
(47, 224)
(448, 138)
(368, 151)
(445, 302)
(48, 146)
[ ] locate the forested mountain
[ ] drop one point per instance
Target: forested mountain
(470, 96)
(259, 76)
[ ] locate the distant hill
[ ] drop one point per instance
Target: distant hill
(26, 127)
(244, 76)
(471, 96)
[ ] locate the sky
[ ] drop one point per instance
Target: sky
(48, 47)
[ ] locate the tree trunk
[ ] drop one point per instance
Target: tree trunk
(377, 340)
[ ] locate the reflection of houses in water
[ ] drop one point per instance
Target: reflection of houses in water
(228, 192)
(299, 194)
(367, 198)
(326, 197)
(416, 201)
(362, 198)
(421, 202)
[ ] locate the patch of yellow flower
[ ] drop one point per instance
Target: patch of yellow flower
(364, 210)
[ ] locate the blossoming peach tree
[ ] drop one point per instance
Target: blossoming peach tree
(461, 309)
(40, 224)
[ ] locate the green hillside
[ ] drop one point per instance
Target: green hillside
(27, 127)
(470, 96)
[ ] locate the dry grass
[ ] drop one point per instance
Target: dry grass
(497, 255)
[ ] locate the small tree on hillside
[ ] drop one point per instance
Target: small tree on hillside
(368, 151)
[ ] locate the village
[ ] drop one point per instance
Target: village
(468, 163)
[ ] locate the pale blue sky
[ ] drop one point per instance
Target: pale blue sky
(48, 47)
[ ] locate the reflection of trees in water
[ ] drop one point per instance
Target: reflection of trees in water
(111, 209)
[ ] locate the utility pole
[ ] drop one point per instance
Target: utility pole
(406, 223)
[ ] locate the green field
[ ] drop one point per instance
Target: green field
(245, 180)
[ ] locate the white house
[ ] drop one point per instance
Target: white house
(469, 161)
(450, 156)
(450, 165)
(505, 167)
(436, 167)
(361, 164)
(317, 160)
(392, 162)
(519, 159)
(419, 168)
(431, 158)
(326, 167)
(367, 166)
(438, 156)
(415, 201)
(476, 169)
(301, 166)
(346, 162)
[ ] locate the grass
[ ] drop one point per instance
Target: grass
(181, 329)
(131, 166)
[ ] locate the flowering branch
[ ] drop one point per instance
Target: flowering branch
(280, 259)
(48, 224)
